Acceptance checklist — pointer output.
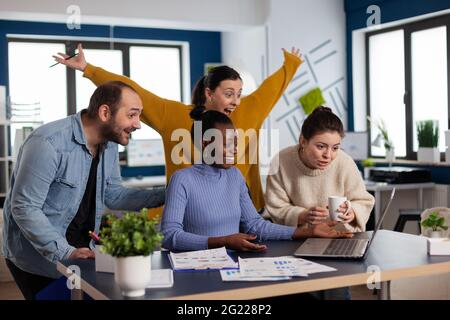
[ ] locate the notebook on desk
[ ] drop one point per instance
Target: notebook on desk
(341, 248)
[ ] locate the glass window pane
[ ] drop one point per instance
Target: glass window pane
(429, 79)
(158, 70)
(387, 87)
(110, 60)
(37, 92)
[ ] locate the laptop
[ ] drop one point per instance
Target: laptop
(341, 248)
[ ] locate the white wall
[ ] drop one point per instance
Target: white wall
(246, 52)
(308, 24)
(211, 15)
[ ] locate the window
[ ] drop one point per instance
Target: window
(387, 86)
(429, 79)
(157, 69)
(408, 81)
(38, 94)
(59, 91)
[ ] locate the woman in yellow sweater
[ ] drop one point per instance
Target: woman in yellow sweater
(308, 173)
(218, 93)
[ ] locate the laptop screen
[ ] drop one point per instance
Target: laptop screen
(380, 221)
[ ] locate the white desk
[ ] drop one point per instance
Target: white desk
(145, 182)
(378, 187)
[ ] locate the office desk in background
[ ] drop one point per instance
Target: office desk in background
(144, 182)
(378, 187)
(395, 255)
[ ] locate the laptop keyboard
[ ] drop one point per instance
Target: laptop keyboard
(341, 247)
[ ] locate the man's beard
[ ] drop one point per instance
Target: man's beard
(111, 132)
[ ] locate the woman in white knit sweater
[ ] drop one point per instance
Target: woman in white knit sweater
(305, 175)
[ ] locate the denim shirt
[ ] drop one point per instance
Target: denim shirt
(47, 186)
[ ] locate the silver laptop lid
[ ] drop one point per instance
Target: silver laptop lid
(380, 221)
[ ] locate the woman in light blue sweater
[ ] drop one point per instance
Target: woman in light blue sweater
(208, 205)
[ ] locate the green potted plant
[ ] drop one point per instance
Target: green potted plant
(436, 223)
(428, 137)
(130, 240)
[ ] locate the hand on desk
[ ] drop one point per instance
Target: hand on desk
(322, 230)
(237, 241)
(82, 253)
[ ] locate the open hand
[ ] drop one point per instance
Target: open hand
(295, 51)
(78, 62)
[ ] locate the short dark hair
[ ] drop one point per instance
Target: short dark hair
(322, 119)
(209, 119)
(109, 93)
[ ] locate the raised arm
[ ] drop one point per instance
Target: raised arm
(154, 111)
(263, 99)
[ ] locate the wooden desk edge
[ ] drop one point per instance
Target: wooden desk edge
(290, 287)
(285, 288)
(85, 287)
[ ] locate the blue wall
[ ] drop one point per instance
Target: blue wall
(203, 47)
(391, 10)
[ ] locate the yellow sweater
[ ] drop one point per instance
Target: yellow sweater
(294, 187)
(165, 115)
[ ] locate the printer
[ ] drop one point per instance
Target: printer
(397, 175)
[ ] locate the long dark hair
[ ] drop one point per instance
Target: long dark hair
(322, 119)
(211, 81)
(209, 120)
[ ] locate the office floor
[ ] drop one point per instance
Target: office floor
(9, 291)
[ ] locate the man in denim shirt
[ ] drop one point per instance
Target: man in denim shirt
(67, 171)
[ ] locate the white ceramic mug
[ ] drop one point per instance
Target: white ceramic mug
(333, 207)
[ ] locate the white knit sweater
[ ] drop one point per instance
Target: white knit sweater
(294, 187)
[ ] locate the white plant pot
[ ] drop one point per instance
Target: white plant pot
(367, 173)
(436, 234)
(431, 155)
(133, 274)
(390, 155)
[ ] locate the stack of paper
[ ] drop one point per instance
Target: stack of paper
(235, 275)
(203, 259)
(272, 269)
